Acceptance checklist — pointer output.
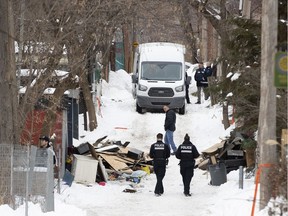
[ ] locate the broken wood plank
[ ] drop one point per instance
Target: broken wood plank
(102, 170)
(123, 160)
(110, 148)
(92, 151)
(213, 159)
(109, 153)
(99, 140)
(228, 147)
(123, 150)
(130, 160)
(214, 149)
(116, 165)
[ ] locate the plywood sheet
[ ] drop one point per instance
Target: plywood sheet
(117, 165)
(213, 149)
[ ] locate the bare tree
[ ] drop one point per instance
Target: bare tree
(8, 92)
(8, 87)
(83, 29)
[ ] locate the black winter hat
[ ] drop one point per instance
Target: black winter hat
(187, 137)
(45, 138)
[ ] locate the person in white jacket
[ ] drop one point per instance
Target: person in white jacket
(45, 143)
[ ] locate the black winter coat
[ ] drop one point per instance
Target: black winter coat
(208, 71)
(187, 153)
(200, 77)
(159, 151)
(170, 120)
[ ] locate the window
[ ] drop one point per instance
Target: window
(168, 71)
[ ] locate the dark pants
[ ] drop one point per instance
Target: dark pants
(160, 171)
(187, 174)
(206, 93)
(187, 94)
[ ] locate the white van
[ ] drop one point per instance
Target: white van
(159, 76)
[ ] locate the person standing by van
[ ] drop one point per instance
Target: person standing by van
(160, 153)
(169, 127)
(208, 73)
(187, 153)
(200, 81)
(187, 84)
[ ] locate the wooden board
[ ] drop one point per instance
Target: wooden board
(284, 137)
(117, 165)
(103, 170)
(125, 160)
(213, 159)
(213, 149)
(113, 148)
(124, 150)
(92, 151)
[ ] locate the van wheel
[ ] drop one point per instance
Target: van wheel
(138, 109)
(182, 110)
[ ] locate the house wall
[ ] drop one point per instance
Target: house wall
(33, 128)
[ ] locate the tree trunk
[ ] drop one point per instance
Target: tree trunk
(8, 85)
(223, 70)
(127, 47)
(188, 30)
(89, 103)
(226, 122)
(267, 114)
(54, 104)
(9, 133)
(246, 9)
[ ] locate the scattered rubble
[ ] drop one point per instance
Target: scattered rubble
(108, 161)
(223, 157)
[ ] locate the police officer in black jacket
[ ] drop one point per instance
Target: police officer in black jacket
(187, 153)
(160, 152)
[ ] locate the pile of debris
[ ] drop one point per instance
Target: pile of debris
(226, 156)
(230, 152)
(227, 151)
(107, 161)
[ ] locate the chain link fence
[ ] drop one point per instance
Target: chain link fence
(26, 174)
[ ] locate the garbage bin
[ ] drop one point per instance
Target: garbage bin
(218, 174)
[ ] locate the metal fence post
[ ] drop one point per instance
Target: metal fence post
(241, 176)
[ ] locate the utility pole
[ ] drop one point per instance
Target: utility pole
(267, 115)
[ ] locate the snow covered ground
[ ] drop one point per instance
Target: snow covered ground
(201, 121)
